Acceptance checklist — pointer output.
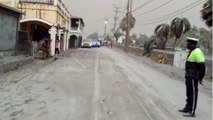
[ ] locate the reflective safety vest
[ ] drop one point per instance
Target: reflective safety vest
(196, 55)
(195, 58)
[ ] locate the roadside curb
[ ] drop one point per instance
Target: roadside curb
(13, 63)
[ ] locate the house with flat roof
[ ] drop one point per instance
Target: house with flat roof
(76, 32)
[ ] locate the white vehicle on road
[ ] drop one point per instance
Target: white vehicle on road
(86, 43)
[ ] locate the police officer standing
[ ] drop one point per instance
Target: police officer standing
(195, 71)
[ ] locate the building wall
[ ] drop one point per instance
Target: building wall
(8, 31)
(177, 59)
(49, 11)
(42, 11)
(6, 2)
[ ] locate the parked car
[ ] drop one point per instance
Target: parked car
(96, 43)
(86, 43)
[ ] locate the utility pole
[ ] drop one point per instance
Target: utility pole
(116, 17)
(105, 26)
(129, 7)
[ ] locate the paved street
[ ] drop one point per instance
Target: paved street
(95, 84)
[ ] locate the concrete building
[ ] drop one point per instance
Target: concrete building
(44, 19)
(76, 32)
(9, 26)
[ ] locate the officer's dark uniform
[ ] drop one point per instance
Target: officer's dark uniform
(195, 71)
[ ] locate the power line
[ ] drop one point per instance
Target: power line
(102, 19)
(141, 6)
(137, 2)
(170, 16)
(125, 8)
(154, 8)
(194, 4)
(133, 3)
(107, 17)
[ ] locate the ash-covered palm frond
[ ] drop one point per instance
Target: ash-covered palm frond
(206, 13)
(148, 46)
(117, 34)
(179, 26)
(187, 25)
(163, 32)
(123, 23)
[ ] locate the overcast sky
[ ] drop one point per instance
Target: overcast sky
(94, 12)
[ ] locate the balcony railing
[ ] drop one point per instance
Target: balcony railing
(38, 1)
(76, 30)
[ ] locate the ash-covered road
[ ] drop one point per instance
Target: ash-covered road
(95, 84)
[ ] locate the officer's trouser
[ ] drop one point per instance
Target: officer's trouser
(191, 94)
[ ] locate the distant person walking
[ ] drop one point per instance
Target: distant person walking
(109, 43)
(195, 72)
(57, 45)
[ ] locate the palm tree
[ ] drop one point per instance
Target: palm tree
(194, 32)
(117, 34)
(179, 26)
(123, 23)
(206, 13)
(125, 27)
(148, 46)
(163, 31)
(205, 39)
(142, 38)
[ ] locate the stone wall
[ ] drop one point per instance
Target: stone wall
(176, 59)
(139, 51)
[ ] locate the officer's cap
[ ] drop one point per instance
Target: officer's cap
(192, 39)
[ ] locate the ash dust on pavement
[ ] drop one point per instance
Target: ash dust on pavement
(95, 84)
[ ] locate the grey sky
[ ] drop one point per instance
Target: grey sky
(94, 11)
